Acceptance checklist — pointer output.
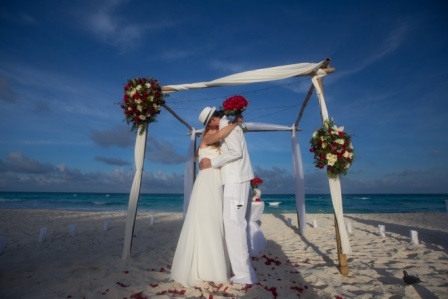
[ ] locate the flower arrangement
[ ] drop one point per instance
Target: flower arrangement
(332, 148)
(255, 182)
(142, 100)
(234, 105)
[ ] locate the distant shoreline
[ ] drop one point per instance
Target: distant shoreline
(181, 193)
(286, 203)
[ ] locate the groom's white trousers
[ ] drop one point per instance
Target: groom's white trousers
(235, 230)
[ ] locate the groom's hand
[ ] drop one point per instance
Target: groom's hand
(205, 163)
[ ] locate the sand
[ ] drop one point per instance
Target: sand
(88, 264)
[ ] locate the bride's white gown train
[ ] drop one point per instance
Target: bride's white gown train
(201, 253)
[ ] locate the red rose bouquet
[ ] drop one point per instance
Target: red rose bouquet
(332, 148)
(234, 105)
(142, 101)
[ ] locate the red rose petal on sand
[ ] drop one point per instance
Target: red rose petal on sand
(247, 287)
(138, 296)
(273, 290)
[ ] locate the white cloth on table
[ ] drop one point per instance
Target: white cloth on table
(257, 240)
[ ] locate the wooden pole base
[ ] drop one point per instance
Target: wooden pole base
(342, 258)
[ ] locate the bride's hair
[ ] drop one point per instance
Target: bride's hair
(217, 144)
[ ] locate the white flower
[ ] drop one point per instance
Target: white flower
(339, 141)
(147, 85)
(338, 129)
(142, 117)
(324, 145)
(315, 134)
(348, 155)
(132, 92)
(331, 159)
(138, 87)
(139, 107)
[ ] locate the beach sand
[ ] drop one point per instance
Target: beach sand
(89, 265)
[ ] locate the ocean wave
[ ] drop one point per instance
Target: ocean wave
(100, 202)
(10, 199)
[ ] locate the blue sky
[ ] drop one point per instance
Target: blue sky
(63, 65)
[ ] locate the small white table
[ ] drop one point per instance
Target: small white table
(257, 240)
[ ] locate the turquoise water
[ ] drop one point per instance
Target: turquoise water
(315, 203)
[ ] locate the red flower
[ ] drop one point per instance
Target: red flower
(255, 182)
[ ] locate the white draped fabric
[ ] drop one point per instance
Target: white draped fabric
(262, 127)
(299, 184)
(260, 75)
(259, 127)
(139, 156)
(335, 184)
(257, 240)
(189, 171)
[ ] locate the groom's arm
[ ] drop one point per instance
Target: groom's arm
(234, 149)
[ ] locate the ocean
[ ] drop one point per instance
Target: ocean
(155, 203)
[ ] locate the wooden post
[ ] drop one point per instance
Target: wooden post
(342, 258)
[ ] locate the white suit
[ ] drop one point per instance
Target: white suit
(236, 173)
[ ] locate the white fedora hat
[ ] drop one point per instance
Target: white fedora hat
(206, 115)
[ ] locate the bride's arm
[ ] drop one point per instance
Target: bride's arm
(223, 133)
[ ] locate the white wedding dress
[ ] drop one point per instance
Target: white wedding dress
(201, 253)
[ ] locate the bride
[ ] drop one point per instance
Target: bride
(201, 253)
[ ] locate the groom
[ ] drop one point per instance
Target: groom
(236, 172)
